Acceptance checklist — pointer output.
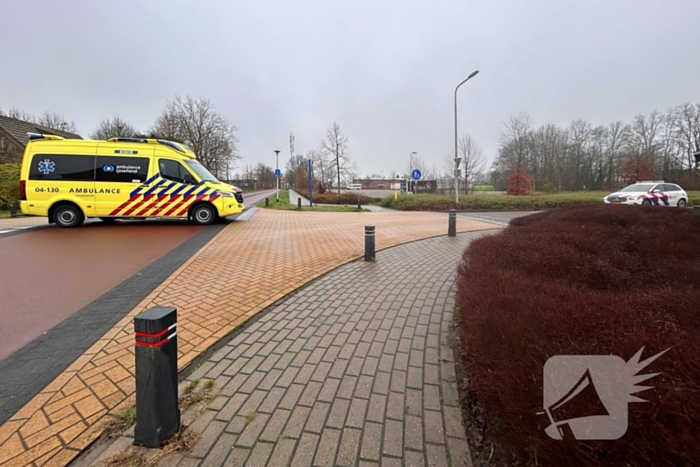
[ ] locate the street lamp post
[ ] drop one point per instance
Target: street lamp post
(277, 156)
(456, 158)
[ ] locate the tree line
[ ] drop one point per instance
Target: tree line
(658, 145)
(331, 165)
(193, 122)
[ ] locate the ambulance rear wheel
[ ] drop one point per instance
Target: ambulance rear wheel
(203, 214)
(68, 215)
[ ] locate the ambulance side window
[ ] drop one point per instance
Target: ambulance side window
(173, 170)
(121, 169)
(63, 167)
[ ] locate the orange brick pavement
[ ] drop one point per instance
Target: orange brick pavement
(12, 222)
(244, 269)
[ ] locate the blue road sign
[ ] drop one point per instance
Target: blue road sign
(278, 173)
(415, 175)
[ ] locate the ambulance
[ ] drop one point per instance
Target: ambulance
(70, 180)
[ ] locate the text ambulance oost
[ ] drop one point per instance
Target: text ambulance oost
(69, 180)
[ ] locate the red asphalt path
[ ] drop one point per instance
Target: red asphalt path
(48, 274)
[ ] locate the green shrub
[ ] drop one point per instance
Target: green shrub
(549, 188)
(9, 184)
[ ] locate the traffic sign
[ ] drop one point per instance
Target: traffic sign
(278, 173)
(415, 175)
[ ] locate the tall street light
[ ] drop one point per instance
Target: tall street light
(410, 169)
(457, 160)
(277, 155)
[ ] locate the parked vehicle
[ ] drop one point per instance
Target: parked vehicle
(355, 186)
(658, 193)
(69, 180)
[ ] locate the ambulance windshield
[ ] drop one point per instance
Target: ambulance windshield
(201, 171)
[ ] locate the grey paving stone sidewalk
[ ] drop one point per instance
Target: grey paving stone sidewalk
(353, 370)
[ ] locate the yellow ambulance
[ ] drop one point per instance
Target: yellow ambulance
(69, 180)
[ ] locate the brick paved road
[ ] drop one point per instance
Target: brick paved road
(354, 369)
(244, 269)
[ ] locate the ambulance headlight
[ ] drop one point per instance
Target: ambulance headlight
(227, 195)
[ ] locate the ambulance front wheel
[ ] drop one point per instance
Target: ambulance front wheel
(203, 214)
(68, 215)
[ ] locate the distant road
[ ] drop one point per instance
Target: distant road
(385, 193)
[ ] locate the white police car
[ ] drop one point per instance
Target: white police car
(658, 193)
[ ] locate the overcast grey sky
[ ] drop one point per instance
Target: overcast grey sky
(384, 70)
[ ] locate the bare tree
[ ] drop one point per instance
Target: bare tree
(48, 119)
(265, 176)
(113, 128)
(57, 122)
(336, 145)
(21, 115)
(688, 133)
(472, 159)
(321, 165)
(198, 125)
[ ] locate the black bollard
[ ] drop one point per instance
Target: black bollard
(267, 201)
(359, 205)
(157, 411)
(369, 243)
(299, 203)
(13, 210)
(452, 226)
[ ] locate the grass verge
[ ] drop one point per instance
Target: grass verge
(427, 202)
(284, 205)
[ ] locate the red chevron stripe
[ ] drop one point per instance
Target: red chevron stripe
(165, 205)
(138, 205)
(150, 206)
(125, 204)
(177, 206)
(184, 209)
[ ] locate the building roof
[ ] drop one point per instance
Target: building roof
(18, 129)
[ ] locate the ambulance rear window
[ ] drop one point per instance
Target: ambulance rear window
(62, 167)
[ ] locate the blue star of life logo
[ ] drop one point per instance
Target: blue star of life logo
(46, 166)
(108, 168)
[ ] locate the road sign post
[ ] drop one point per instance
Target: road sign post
(415, 175)
(277, 174)
(311, 184)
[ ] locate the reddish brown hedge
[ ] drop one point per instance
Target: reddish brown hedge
(337, 198)
(586, 280)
